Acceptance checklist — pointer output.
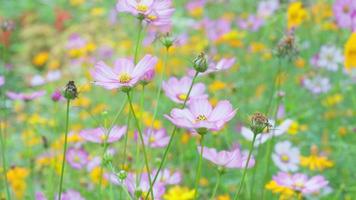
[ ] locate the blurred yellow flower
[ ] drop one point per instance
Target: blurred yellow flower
(40, 59)
(299, 62)
(285, 192)
(17, 179)
(315, 161)
(350, 52)
(296, 14)
(97, 11)
(217, 85)
(295, 128)
(179, 193)
(223, 197)
(332, 100)
(76, 2)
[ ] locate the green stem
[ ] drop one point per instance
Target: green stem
(126, 139)
(198, 171)
(170, 140)
(106, 146)
(245, 170)
(138, 40)
(141, 139)
(160, 86)
(216, 185)
(64, 150)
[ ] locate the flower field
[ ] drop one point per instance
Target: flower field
(177, 99)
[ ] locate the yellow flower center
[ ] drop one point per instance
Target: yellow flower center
(182, 97)
(299, 184)
(103, 137)
(152, 139)
(285, 158)
(201, 118)
(346, 9)
(152, 17)
(125, 78)
(142, 8)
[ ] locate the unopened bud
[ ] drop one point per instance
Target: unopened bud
(258, 123)
(70, 91)
(167, 40)
(200, 63)
(122, 174)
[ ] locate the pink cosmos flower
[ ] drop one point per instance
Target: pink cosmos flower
(40, 196)
(25, 96)
(223, 64)
(71, 195)
(155, 12)
(228, 159)
(201, 116)
(300, 182)
(344, 13)
(124, 74)
(57, 96)
(177, 89)
(99, 135)
(252, 23)
(155, 138)
(77, 157)
(286, 157)
(144, 185)
(263, 137)
(215, 29)
(168, 177)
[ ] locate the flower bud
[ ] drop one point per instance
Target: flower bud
(70, 91)
(107, 159)
(200, 63)
(167, 40)
(148, 77)
(56, 96)
(122, 174)
(258, 123)
(138, 193)
(287, 47)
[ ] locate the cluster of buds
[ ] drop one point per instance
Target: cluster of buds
(70, 91)
(259, 122)
(167, 40)
(287, 47)
(200, 63)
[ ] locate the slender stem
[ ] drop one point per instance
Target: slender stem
(170, 139)
(245, 170)
(64, 150)
(139, 169)
(216, 185)
(158, 95)
(106, 146)
(142, 141)
(3, 139)
(198, 172)
(3, 157)
(138, 40)
(126, 139)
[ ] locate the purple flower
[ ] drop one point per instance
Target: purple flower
(71, 195)
(155, 12)
(155, 138)
(223, 64)
(267, 8)
(300, 182)
(77, 157)
(227, 159)
(247, 133)
(286, 157)
(40, 196)
(25, 96)
(252, 23)
(148, 76)
(317, 84)
(215, 29)
(344, 12)
(124, 74)
(168, 177)
(177, 89)
(329, 57)
(2, 81)
(99, 135)
(201, 116)
(57, 96)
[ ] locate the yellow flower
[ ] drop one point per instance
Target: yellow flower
(300, 62)
(315, 161)
(342, 131)
(30, 139)
(332, 100)
(17, 179)
(97, 11)
(95, 176)
(203, 182)
(285, 192)
(40, 59)
(76, 2)
(217, 85)
(350, 52)
(179, 193)
(296, 14)
(295, 128)
(223, 197)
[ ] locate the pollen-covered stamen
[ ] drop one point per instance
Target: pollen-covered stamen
(141, 8)
(182, 97)
(152, 17)
(124, 78)
(284, 158)
(201, 118)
